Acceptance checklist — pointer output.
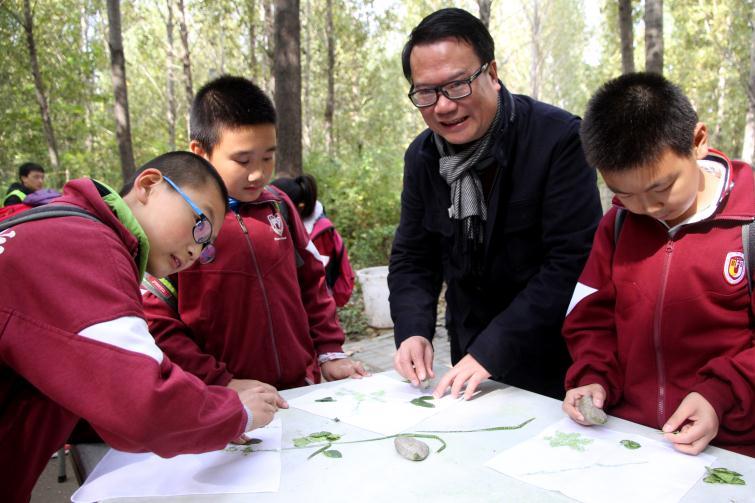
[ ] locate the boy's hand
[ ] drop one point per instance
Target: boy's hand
(572, 397)
(414, 360)
(697, 424)
(262, 403)
(468, 371)
(335, 370)
(239, 385)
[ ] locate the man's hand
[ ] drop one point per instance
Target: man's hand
(468, 371)
(414, 360)
(334, 370)
(239, 385)
(573, 396)
(696, 422)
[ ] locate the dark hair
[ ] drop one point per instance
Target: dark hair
(302, 190)
(450, 23)
(185, 169)
(229, 102)
(28, 167)
(632, 120)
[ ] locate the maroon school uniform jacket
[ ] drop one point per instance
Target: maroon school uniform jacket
(662, 316)
(260, 310)
(74, 344)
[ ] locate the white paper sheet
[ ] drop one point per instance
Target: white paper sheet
(594, 466)
(237, 469)
(375, 403)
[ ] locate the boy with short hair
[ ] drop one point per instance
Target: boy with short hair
(31, 178)
(261, 310)
(659, 325)
(73, 339)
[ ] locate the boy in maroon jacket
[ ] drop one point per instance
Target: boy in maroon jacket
(261, 310)
(659, 325)
(73, 339)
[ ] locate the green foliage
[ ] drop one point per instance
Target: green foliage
(723, 476)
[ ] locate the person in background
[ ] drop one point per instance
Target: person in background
(339, 275)
(31, 178)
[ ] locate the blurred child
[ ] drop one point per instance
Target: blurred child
(73, 339)
(339, 276)
(31, 177)
(659, 326)
(261, 310)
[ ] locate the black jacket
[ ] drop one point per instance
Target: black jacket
(14, 199)
(543, 210)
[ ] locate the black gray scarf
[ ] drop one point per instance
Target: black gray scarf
(460, 171)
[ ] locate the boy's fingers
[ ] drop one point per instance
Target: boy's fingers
(418, 359)
(429, 360)
(459, 380)
(598, 396)
(440, 389)
(678, 418)
(403, 365)
(472, 384)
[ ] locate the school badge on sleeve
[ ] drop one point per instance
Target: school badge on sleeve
(734, 267)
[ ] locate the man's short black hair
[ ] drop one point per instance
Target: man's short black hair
(227, 102)
(632, 120)
(28, 167)
(185, 169)
(450, 23)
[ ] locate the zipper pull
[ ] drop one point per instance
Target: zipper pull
(241, 223)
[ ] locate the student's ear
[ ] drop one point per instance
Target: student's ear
(196, 148)
(493, 72)
(145, 183)
(700, 141)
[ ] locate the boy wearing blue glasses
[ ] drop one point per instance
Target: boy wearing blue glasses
(261, 310)
(73, 339)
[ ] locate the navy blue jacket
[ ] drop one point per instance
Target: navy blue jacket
(543, 210)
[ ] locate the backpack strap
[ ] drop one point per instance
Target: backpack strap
(46, 211)
(748, 246)
(282, 208)
(162, 288)
(621, 214)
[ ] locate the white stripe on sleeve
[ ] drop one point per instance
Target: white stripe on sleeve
(129, 332)
(580, 292)
(311, 248)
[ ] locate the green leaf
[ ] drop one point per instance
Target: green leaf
(712, 479)
(302, 441)
(326, 399)
(423, 402)
(722, 475)
(333, 453)
(320, 434)
(726, 470)
(630, 444)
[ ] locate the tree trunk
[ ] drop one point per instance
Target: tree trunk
(715, 137)
(627, 36)
(654, 36)
(287, 70)
(118, 70)
(39, 88)
(748, 148)
(268, 6)
(330, 101)
(87, 77)
(170, 90)
(484, 6)
(251, 15)
(535, 50)
(186, 61)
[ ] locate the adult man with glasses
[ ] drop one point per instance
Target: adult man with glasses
(499, 203)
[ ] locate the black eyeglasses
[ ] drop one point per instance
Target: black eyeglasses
(455, 90)
(202, 231)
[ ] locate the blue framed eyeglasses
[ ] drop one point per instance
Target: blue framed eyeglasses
(202, 231)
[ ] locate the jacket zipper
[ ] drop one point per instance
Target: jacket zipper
(657, 335)
(264, 292)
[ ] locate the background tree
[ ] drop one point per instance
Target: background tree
(484, 6)
(748, 143)
(118, 70)
(654, 36)
(626, 32)
(287, 72)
